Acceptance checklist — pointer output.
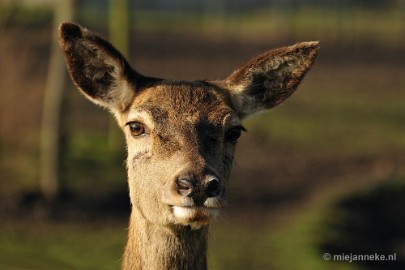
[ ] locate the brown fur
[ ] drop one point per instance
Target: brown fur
(190, 131)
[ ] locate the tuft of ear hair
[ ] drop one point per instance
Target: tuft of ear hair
(268, 79)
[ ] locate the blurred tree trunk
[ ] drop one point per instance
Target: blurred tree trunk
(119, 37)
(50, 129)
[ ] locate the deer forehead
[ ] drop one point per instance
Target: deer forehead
(182, 105)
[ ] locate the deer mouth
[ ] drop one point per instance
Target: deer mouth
(194, 216)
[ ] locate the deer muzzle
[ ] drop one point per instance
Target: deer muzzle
(195, 198)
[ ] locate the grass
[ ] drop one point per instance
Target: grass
(61, 246)
(295, 245)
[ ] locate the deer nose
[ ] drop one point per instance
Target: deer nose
(189, 187)
(213, 188)
(185, 186)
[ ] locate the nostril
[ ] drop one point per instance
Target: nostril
(213, 188)
(184, 186)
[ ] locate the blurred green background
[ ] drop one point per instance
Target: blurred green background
(322, 173)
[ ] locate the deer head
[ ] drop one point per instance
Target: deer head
(180, 135)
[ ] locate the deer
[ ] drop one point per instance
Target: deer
(180, 136)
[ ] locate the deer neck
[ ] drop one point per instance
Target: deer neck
(152, 246)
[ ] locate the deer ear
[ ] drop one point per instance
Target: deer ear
(100, 72)
(270, 78)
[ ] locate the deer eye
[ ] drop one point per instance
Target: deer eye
(233, 134)
(137, 129)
